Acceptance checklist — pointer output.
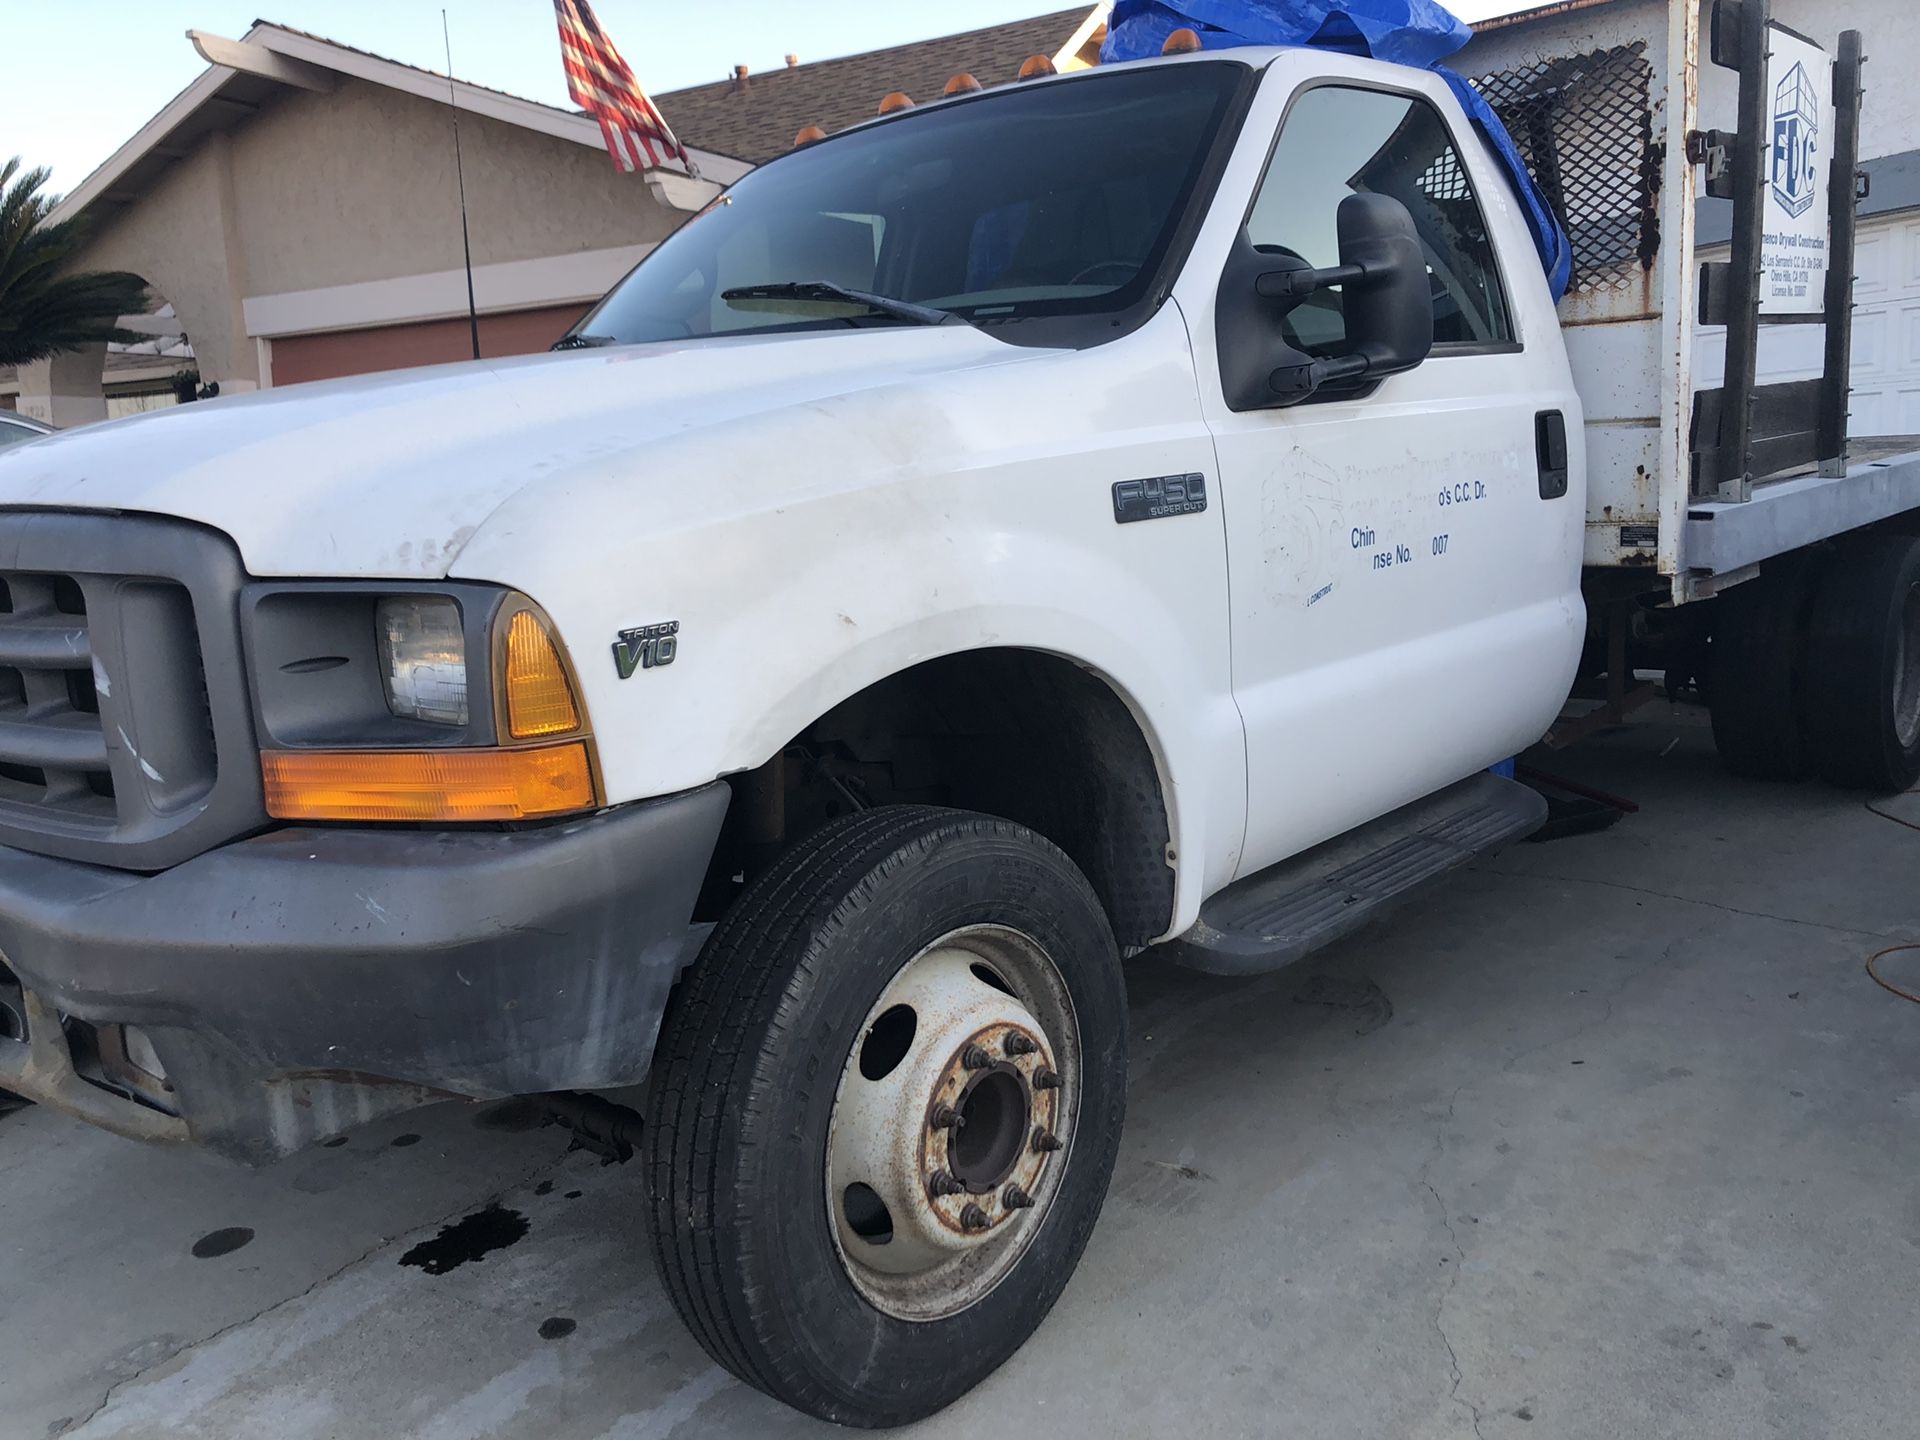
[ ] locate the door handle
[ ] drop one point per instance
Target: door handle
(1550, 448)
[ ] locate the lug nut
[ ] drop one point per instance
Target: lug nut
(974, 1057)
(1045, 1141)
(974, 1218)
(1018, 1045)
(1014, 1198)
(1046, 1080)
(942, 1184)
(945, 1117)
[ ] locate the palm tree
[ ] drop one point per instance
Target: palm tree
(44, 309)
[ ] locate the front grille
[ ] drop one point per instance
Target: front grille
(53, 740)
(113, 747)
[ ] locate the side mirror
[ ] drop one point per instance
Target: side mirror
(1386, 303)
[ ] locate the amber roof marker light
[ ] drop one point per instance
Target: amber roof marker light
(1036, 66)
(898, 100)
(1183, 41)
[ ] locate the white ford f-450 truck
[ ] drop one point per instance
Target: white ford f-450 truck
(1129, 509)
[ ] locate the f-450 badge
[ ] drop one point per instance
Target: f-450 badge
(1158, 498)
(646, 648)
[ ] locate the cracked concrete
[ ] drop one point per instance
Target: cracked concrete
(1440, 1309)
(1611, 1136)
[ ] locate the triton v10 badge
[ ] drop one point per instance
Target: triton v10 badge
(647, 647)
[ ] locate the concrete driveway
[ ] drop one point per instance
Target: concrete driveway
(1611, 1136)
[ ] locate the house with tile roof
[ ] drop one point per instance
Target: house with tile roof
(296, 209)
(754, 117)
(295, 213)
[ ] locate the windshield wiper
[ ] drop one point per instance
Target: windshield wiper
(827, 290)
(583, 342)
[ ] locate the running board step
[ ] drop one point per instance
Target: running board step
(1287, 911)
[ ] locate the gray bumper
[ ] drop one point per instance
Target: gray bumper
(304, 981)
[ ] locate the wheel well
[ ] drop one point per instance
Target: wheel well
(1015, 733)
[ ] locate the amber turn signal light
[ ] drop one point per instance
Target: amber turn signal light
(539, 692)
(453, 786)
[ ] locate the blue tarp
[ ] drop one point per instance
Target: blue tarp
(1420, 33)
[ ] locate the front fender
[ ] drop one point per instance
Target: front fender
(816, 550)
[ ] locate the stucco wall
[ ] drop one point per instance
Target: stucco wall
(355, 185)
(175, 239)
(359, 185)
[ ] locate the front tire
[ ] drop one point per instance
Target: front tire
(884, 1112)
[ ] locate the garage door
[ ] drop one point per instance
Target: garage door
(333, 353)
(1886, 332)
(1886, 326)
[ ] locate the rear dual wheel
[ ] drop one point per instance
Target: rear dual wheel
(1816, 668)
(885, 1109)
(1757, 672)
(1863, 666)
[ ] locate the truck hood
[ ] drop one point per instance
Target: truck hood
(389, 476)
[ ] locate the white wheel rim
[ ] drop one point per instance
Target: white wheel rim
(962, 1131)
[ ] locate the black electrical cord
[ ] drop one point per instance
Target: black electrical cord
(1886, 984)
(1883, 983)
(1888, 815)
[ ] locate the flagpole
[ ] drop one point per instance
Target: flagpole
(466, 242)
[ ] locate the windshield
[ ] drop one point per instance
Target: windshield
(1052, 199)
(17, 432)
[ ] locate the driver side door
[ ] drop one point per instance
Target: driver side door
(1403, 597)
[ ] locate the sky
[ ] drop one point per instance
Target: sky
(110, 65)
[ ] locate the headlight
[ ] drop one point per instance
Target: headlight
(423, 651)
(456, 703)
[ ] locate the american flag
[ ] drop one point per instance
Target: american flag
(600, 83)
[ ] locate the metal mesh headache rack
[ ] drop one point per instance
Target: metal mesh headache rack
(1584, 124)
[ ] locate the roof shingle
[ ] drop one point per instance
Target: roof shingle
(757, 120)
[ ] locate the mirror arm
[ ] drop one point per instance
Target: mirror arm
(1299, 284)
(1302, 380)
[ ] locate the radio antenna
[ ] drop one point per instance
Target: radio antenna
(466, 242)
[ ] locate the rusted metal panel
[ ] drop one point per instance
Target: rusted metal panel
(1584, 98)
(1600, 95)
(1539, 12)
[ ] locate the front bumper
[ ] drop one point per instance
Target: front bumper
(305, 981)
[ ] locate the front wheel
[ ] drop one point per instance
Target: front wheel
(884, 1112)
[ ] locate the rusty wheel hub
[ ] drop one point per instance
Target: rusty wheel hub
(951, 1123)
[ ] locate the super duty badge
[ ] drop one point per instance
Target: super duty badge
(1158, 498)
(647, 647)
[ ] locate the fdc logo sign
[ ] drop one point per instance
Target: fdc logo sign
(1796, 140)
